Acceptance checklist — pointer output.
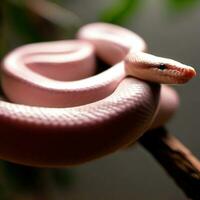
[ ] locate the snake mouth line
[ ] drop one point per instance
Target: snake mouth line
(178, 75)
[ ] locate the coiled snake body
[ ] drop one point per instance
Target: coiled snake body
(63, 114)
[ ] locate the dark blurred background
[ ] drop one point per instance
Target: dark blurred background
(171, 28)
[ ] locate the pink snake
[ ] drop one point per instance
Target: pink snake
(64, 115)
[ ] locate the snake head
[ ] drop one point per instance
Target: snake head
(157, 69)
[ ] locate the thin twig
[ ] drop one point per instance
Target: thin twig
(177, 160)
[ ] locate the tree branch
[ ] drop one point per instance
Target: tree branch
(177, 160)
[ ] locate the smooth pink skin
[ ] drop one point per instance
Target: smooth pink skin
(105, 112)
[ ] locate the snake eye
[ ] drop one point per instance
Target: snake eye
(162, 66)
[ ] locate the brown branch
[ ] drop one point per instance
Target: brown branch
(177, 160)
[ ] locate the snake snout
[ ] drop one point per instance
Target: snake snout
(186, 73)
(190, 73)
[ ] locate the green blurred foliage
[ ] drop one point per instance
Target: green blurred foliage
(18, 17)
(123, 10)
(25, 21)
(181, 5)
(23, 182)
(120, 11)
